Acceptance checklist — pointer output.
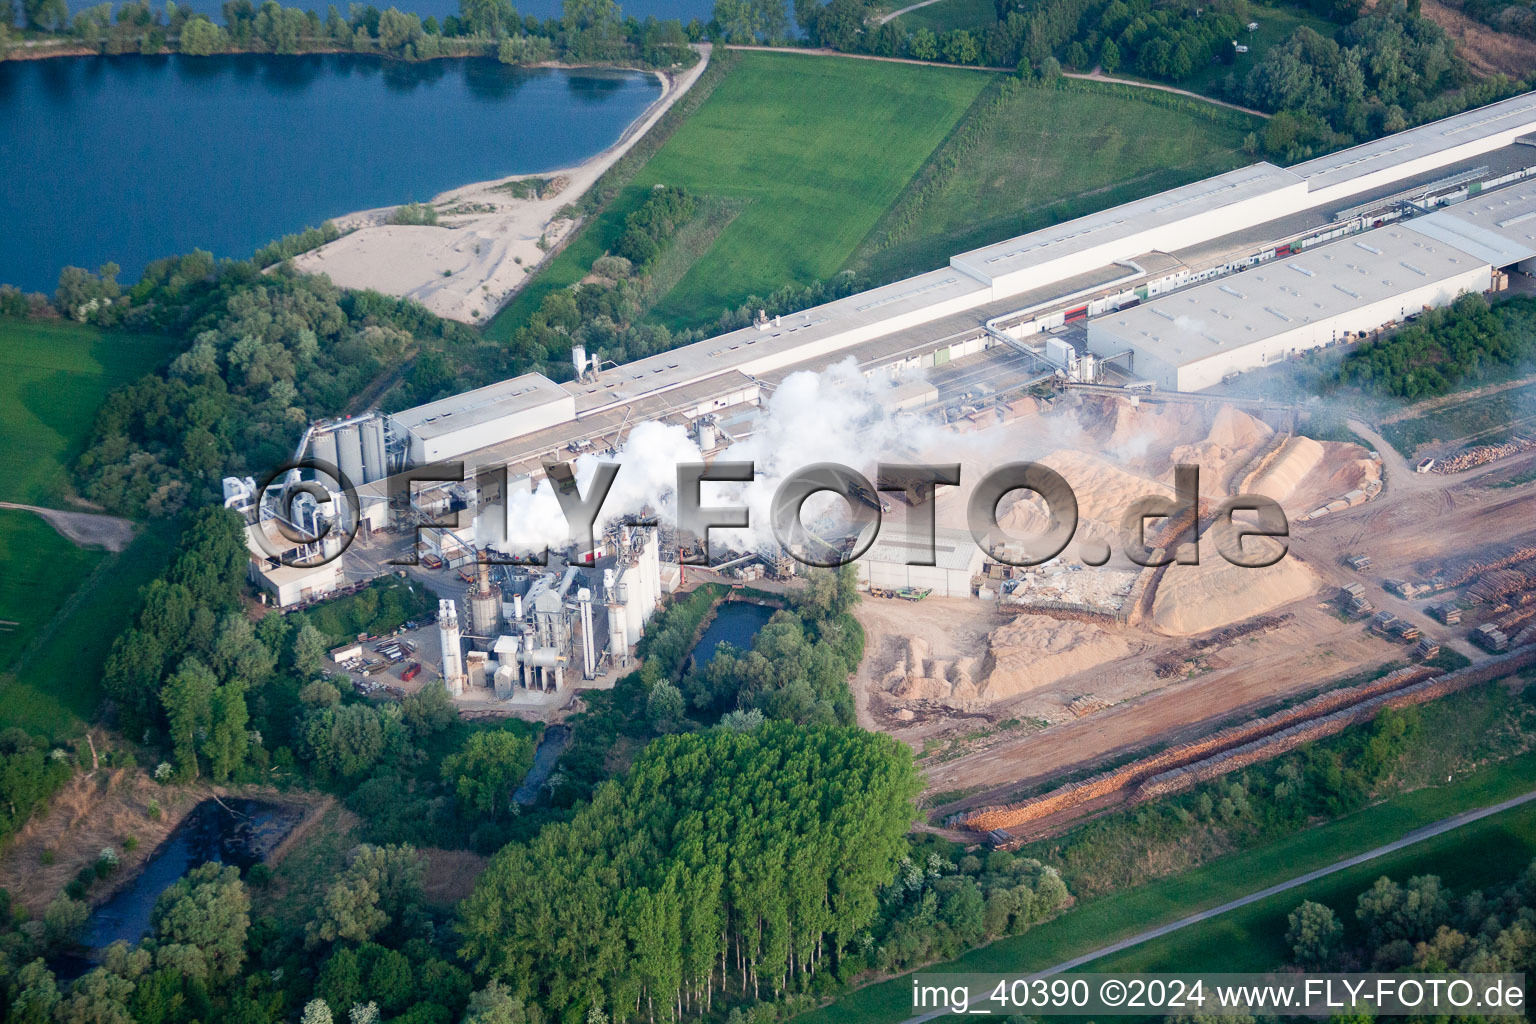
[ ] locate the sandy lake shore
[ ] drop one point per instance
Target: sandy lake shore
(487, 240)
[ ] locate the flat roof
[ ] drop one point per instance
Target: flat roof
(1073, 236)
(952, 549)
(752, 350)
(482, 405)
(1497, 226)
(1286, 293)
(1417, 143)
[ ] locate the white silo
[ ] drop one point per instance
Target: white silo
(349, 452)
(371, 432)
(453, 655)
(325, 448)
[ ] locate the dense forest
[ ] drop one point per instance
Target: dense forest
(1460, 345)
(588, 31)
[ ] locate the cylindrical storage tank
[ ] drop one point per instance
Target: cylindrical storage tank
(579, 359)
(325, 448)
(632, 593)
(484, 613)
(373, 450)
(618, 633)
(706, 436)
(349, 452)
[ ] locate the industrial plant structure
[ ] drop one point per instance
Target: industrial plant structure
(1179, 290)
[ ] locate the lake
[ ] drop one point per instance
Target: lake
(132, 158)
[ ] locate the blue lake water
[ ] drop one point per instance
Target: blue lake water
(735, 623)
(132, 158)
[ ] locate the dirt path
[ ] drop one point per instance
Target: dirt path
(1092, 76)
(896, 14)
(1418, 835)
(84, 528)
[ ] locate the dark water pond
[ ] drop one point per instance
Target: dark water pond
(129, 159)
(239, 832)
(551, 745)
(735, 623)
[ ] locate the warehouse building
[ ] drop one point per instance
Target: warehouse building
(459, 424)
(1174, 252)
(956, 555)
(1192, 339)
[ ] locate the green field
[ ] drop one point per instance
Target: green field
(1102, 921)
(41, 570)
(1042, 156)
(950, 14)
(813, 148)
(57, 688)
(53, 377)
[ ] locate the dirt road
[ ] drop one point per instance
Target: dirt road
(86, 529)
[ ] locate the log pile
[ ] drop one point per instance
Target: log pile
(987, 819)
(1484, 453)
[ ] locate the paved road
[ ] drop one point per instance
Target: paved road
(1455, 821)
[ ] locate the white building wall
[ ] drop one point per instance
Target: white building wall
(1197, 375)
(894, 576)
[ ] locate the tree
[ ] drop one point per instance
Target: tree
(1314, 935)
(381, 887)
(497, 1004)
(188, 701)
(925, 45)
(488, 768)
(664, 705)
(308, 650)
(46, 15)
(316, 1012)
(427, 711)
(206, 914)
(960, 47)
(492, 18)
(200, 37)
(1109, 57)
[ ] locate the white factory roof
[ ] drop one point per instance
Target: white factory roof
(952, 549)
(1287, 293)
(1095, 229)
(1498, 227)
(1429, 140)
(825, 329)
(482, 405)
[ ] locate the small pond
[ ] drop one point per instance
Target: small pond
(551, 745)
(237, 831)
(735, 623)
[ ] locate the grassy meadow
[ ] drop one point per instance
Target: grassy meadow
(811, 150)
(946, 15)
(53, 377)
(1041, 156)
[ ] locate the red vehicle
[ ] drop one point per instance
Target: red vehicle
(411, 671)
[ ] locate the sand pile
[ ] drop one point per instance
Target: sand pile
(1034, 651)
(1104, 493)
(1233, 438)
(1295, 461)
(1193, 599)
(917, 675)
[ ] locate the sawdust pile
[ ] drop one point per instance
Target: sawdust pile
(1297, 458)
(1233, 438)
(1030, 652)
(1193, 599)
(1104, 493)
(1034, 651)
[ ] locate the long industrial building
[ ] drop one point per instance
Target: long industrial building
(1177, 290)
